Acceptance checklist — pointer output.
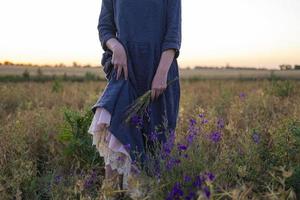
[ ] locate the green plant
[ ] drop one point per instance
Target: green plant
(282, 88)
(78, 149)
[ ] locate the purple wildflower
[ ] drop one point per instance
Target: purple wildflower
(190, 138)
(210, 176)
(168, 146)
(215, 136)
(137, 120)
(187, 178)
(256, 137)
(176, 192)
(57, 179)
(153, 136)
(201, 115)
(181, 147)
(192, 122)
(198, 181)
(172, 162)
(242, 95)
(191, 196)
(220, 123)
(90, 181)
(206, 192)
(204, 121)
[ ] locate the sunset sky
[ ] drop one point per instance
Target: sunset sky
(258, 33)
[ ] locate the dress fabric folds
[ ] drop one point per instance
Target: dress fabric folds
(109, 147)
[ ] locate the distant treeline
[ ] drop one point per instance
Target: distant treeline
(40, 77)
(228, 67)
(74, 64)
(281, 67)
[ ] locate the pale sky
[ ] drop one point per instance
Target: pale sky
(258, 33)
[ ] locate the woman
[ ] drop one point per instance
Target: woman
(141, 40)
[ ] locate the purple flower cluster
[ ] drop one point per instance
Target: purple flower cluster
(256, 137)
(176, 192)
(57, 179)
(199, 182)
(188, 187)
(203, 120)
(137, 121)
(215, 136)
(210, 176)
(242, 96)
(91, 180)
(168, 146)
(220, 123)
(181, 147)
(153, 136)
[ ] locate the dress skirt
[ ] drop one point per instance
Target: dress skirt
(110, 148)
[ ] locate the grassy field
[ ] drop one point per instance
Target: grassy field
(234, 140)
(209, 73)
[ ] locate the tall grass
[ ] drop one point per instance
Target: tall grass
(234, 140)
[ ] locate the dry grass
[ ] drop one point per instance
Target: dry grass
(33, 164)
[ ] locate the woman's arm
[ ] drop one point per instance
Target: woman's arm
(170, 47)
(106, 26)
(172, 38)
(107, 34)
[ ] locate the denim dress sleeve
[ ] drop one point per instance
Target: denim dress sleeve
(172, 39)
(106, 25)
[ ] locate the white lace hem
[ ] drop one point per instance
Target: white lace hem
(109, 147)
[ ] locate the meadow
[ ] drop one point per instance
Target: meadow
(236, 139)
(21, 73)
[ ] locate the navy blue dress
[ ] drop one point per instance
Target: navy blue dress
(145, 28)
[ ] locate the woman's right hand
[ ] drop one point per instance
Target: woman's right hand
(119, 57)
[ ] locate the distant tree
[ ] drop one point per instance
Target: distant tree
(198, 67)
(61, 65)
(285, 67)
(75, 64)
(8, 63)
(297, 67)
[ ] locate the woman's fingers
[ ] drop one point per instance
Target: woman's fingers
(125, 72)
(156, 92)
(119, 60)
(160, 91)
(119, 67)
(119, 70)
(152, 94)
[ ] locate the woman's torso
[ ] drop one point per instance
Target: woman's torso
(140, 20)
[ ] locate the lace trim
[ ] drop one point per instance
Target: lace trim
(109, 147)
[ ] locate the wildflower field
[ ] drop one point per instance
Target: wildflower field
(235, 139)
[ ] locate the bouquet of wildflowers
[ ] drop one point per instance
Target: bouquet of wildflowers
(139, 106)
